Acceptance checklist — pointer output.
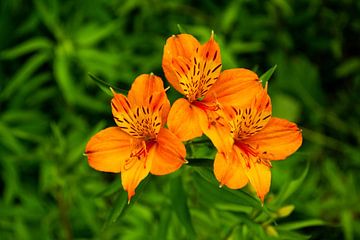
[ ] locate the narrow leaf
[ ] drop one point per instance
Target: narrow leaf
(181, 29)
(291, 187)
(64, 76)
(92, 34)
(121, 204)
(301, 224)
(209, 187)
(24, 73)
(26, 47)
(180, 206)
(267, 75)
(105, 86)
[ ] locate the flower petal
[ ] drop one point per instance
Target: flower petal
(235, 87)
(181, 45)
(248, 121)
(277, 140)
(185, 120)
(133, 172)
(108, 149)
(228, 170)
(260, 178)
(143, 87)
(218, 132)
(197, 74)
(148, 90)
(169, 153)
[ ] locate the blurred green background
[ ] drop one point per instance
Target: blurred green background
(49, 108)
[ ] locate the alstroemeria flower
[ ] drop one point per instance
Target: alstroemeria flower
(257, 139)
(139, 144)
(194, 70)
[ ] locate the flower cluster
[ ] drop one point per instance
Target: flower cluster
(231, 107)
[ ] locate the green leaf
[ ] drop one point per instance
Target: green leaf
(26, 47)
(301, 224)
(105, 86)
(181, 29)
(121, 204)
(267, 75)
(92, 34)
(348, 67)
(9, 140)
(291, 187)
(63, 75)
(24, 73)
(49, 18)
(180, 206)
(347, 224)
(291, 235)
(208, 187)
(246, 47)
(114, 187)
(164, 224)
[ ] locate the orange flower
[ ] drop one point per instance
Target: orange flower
(139, 144)
(194, 71)
(256, 139)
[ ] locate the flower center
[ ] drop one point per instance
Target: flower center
(198, 74)
(248, 122)
(140, 122)
(139, 152)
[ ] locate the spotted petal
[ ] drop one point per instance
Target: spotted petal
(197, 74)
(235, 87)
(229, 171)
(277, 140)
(186, 120)
(181, 45)
(169, 153)
(108, 149)
(133, 172)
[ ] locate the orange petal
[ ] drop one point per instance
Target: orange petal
(181, 45)
(247, 121)
(169, 153)
(235, 87)
(133, 172)
(197, 74)
(120, 105)
(260, 178)
(143, 88)
(228, 170)
(148, 90)
(277, 140)
(185, 120)
(218, 132)
(108, 149)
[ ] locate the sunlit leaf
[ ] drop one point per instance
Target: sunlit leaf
(63, 75)
(26, 47)
(347, 223)
(301, 224)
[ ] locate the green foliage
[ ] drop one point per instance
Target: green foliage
(50, 107)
